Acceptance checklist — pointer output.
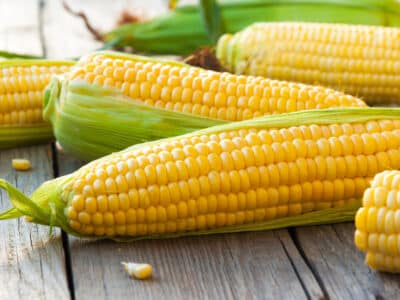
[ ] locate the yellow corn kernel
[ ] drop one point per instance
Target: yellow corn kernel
(21, 164)
(138, 270)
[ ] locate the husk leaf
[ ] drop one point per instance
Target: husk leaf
(91, 121)
(165, 34)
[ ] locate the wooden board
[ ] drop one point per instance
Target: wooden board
(32, 264)
(231, 266)
(339, 266)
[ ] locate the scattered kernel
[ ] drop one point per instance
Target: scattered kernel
(21, 164)
(137, 270)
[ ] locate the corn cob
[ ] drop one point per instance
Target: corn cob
(170, 98)
(22, 83)
(377, 223)
(299, 168)
(359, 60)
(183, 88)
(181, 31)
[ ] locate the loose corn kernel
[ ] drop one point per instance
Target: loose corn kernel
(138, 270)
(21, 164)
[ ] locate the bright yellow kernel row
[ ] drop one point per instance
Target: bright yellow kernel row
(207, 93)
(217, 201)
(116, 224)
(188, 175)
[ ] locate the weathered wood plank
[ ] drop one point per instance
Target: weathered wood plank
(31, 261)
(232, 266)
(331, 252)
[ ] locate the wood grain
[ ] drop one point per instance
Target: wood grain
(231, 266)
(331, 253)
(31, 261)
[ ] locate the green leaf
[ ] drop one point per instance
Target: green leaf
(212, 19)
(6, 54)
(165, 33)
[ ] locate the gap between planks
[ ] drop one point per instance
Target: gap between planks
(64, 236)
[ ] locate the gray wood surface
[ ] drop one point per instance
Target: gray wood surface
(32, 264)
(331, 253)
(317, 262)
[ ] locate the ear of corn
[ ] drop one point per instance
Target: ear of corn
(378, 223)
(165, 34)
(145, 99)
(22, 82)
(359, 60)
(301, 168)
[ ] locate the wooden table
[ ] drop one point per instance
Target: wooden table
(319, 262)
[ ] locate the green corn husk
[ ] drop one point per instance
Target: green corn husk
(181, 31)
(12, 55)
(46, 205)
(90, 121)
(27, 133)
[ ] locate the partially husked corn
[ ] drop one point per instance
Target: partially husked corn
(230, 178)
(22, 83)
(378, 223)
(271, 172)
(179, 87)
(356, 59)
(138, 270)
